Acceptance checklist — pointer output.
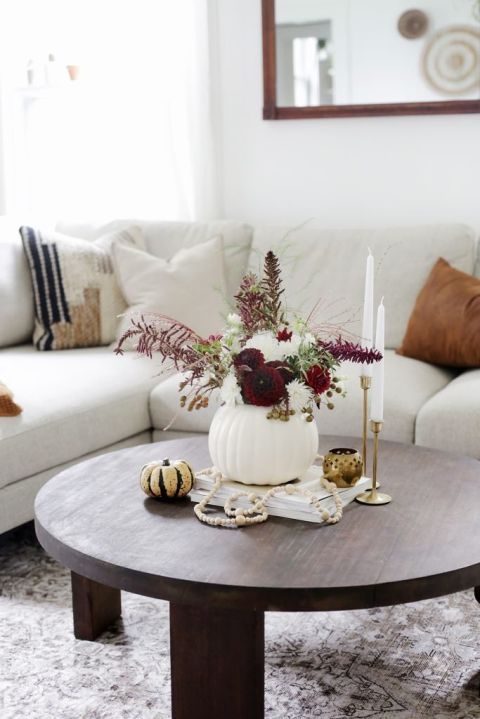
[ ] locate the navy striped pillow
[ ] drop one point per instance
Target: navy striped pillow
(77, 298)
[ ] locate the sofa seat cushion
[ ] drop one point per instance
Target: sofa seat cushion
(74, 402)
(450, 420)
(408, 385)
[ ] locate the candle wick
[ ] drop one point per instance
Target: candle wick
(381, 301)
(369, 251)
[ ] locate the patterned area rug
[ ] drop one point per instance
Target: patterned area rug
(406, 662)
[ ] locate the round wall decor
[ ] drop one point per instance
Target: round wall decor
(451, 61)
(412, 24)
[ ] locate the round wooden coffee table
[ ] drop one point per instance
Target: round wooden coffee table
(94, 519)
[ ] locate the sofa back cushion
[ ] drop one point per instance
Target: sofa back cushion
(16, 295)
(328, 267)
(164, 239)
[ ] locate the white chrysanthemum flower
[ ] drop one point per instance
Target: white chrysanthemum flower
(291, 347)
(230, 392)
(268, 345)
(299, 395)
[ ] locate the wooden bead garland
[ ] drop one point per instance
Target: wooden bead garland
(237, 517)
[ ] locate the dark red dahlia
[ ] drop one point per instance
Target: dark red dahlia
(284, 335)
(318, 379)
(263, 387)
(214, 338)
(283, 368)
(249, 357)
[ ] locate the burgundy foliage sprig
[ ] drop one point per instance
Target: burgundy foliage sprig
(259, 302)
(168, 338)
(250, 302)
(343, 350)
(271, 285)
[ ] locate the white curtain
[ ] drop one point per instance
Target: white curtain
(133, 136)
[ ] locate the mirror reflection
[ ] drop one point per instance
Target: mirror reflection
(351, 52)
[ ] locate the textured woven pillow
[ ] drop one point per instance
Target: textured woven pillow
(444, 327)
(190, 287)
(77, 298)
(8, 408)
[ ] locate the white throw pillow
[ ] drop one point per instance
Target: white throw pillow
(190, 287)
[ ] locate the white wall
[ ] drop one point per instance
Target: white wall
(387, 67)
(347, 172)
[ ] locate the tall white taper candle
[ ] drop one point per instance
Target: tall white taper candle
(367, 326)
(376, 413)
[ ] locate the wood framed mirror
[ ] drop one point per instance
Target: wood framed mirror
(350, 58)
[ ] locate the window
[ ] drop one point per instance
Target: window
(120, 139)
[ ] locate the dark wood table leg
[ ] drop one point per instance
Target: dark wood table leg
(476, 591)
(217, 660)
(95, 607)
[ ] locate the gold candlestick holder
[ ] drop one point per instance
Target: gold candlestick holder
(365, 384)
(373, 496)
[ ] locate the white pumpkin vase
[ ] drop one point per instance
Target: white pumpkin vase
(249, 448)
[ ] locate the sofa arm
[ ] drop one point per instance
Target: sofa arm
(450, 420)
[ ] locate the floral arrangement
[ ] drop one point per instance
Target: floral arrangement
(263, 357)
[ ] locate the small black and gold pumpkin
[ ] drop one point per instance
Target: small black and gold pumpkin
(167, 479)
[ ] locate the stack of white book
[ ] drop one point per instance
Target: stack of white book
(289, 506)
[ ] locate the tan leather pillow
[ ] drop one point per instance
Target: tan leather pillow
(8, 408)
(444, 327)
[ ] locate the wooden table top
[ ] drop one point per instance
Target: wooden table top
(94, 519)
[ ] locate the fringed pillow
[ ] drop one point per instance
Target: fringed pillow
(77, 298)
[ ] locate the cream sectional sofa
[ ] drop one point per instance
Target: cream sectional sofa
(78, 403)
